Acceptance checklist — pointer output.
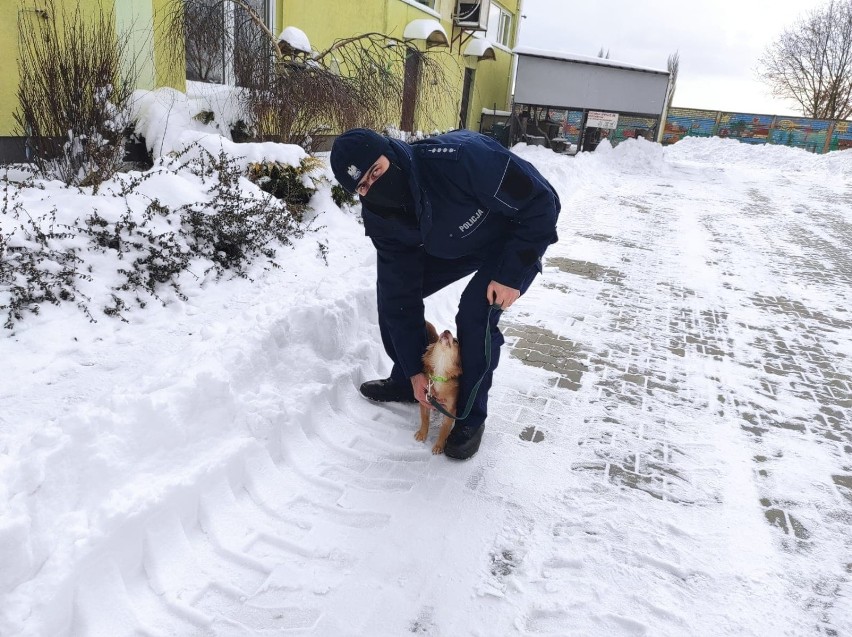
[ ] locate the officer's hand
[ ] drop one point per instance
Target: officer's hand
(501, 294)
(419, 383)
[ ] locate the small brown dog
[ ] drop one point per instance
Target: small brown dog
(442, 365)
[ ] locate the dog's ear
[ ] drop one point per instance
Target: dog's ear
(431, 333)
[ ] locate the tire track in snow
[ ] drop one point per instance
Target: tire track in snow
(291, 517)
(233, 535)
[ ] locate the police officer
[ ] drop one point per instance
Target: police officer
(436, 211)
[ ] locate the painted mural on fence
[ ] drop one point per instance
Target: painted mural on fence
(570, 123)
(842, 138)
(810, 134)
(631, 126)
(752, 129)
(800, 132)
(683, 122)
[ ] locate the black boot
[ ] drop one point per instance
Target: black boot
(463, 441)
(388, 390)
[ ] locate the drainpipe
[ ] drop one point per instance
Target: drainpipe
(513, 67)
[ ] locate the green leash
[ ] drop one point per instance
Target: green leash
(434, 401)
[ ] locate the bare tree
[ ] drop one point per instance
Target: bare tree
(603, 55)
(673, 65)
(811, 62)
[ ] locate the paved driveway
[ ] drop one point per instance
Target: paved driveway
(700, 352)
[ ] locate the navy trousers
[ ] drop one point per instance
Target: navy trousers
(470, 325)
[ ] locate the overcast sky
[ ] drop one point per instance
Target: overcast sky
(719, 42)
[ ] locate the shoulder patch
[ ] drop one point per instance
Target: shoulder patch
(515, 187)
(439, 151)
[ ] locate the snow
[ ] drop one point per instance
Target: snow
(208, 468)
(492, 111)
(586, 59)
(296, 38)
(166, 118)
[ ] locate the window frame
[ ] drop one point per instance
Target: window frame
(501, 31)
(229, 10)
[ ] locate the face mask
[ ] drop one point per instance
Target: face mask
(391, 190)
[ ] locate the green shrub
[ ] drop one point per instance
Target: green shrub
(286, 182)
(342, 197)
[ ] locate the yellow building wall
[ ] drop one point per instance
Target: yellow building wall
(169, 67)
(491, 86)
(11, 12)
(140, 17)
(8, 67)
(494, 77)
(325, 21)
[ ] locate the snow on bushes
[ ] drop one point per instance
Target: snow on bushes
(142, 234)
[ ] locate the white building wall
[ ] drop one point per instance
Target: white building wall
(567, 83)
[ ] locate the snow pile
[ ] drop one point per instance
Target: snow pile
(296, 39)
(162, 116)
(731, 152)
(223, 101)
(169, 122)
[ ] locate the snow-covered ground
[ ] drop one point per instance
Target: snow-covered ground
(670, 450)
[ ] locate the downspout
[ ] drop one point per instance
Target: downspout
(513, 67)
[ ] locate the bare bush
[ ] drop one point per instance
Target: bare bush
(291, 96)
(73, 93)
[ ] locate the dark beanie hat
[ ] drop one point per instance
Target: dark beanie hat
(354, 152)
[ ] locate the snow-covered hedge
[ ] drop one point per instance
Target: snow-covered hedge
(143, 233)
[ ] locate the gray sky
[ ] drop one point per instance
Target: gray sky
(719, 42)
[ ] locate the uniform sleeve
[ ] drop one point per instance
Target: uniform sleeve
(400, 300)
(515, 189)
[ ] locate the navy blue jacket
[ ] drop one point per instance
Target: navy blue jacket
(472, 196)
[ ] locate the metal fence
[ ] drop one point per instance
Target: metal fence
(814, 135)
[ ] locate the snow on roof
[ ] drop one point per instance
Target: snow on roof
(481, 48)
(426, 29)
(296, 38)
(584, 59)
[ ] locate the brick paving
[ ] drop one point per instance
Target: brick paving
(674, 317)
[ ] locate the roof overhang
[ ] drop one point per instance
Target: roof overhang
(425, 29)
(585, 59)
(480, 48)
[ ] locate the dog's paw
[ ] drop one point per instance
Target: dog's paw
(438, 449)
(420, 435)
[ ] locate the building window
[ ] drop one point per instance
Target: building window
(223, 42)
(499, 25)
(427, 3)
